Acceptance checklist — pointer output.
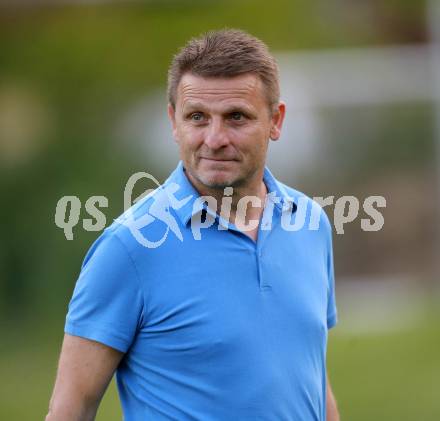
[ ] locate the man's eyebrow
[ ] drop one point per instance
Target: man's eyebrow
(240, 108)
(188, 105)
(191, 106)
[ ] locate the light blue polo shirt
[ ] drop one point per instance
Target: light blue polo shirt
(214, 326)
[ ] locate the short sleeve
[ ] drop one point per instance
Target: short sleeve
(332, 314)
(107, 304)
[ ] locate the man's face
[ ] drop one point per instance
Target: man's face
(222, 127)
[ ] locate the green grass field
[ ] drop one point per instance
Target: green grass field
(393, 376)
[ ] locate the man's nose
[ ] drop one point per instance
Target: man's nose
(216, 135)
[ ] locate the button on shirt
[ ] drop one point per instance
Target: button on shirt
(214, 326)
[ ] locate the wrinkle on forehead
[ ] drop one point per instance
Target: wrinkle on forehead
(197, 88)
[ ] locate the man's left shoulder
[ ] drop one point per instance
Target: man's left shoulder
(312, 210)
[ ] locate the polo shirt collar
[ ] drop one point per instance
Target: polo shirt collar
(185, 193)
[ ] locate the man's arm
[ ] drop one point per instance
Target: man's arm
(332, 409)
(84, 372)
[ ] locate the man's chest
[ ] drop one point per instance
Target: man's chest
(233, 298)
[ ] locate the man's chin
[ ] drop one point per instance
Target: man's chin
(216, 179)
(219, 181)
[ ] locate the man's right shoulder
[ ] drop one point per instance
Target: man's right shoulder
(145, 217)
(308, 202)
(136, 222)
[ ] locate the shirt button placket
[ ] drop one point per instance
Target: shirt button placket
(264, 286)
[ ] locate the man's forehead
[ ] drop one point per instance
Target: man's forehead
(194, 88)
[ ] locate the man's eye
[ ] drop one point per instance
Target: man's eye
(196, 116)
(237, 116)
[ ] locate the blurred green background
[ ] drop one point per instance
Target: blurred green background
(82, 107)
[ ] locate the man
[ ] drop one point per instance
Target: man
(226, 316)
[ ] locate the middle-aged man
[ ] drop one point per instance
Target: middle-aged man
(208, 297)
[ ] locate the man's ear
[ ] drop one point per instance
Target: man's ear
(172, 118)
(277, 120)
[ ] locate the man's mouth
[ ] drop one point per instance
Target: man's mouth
(217, 159)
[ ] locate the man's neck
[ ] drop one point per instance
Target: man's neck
(240, 213)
